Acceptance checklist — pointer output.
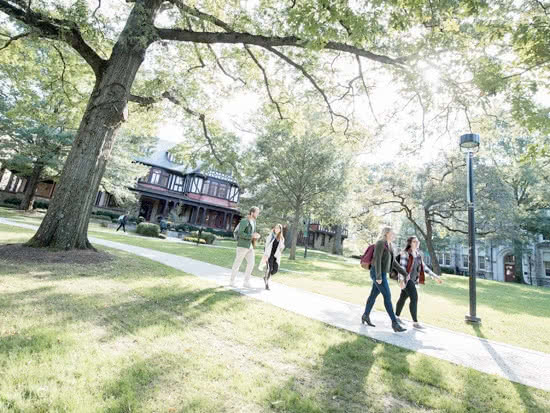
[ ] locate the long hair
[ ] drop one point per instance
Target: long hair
(280, 235)
(409, 244)
(383, 234)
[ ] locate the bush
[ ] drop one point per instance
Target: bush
(100, 218)
(148, 230)
(41, 205)
(207, 237)
(111, 215)
(132, 219)
(114, 221)
(8, 206)
(194, 239)
(104, 224)
(12, 201)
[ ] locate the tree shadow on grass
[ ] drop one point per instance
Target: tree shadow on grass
(522, 391)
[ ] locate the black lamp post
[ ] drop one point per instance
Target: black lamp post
(469, 143)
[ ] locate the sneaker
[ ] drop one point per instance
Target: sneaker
(418, 326)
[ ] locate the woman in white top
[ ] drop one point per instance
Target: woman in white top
(274, 246)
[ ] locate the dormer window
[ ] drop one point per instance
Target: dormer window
(170, 157)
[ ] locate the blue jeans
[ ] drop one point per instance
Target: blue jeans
(383, 288)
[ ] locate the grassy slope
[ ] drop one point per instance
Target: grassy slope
(511, 313)
(133, 335)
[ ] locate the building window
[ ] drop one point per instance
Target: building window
(213, 190)
(481, 262)
(155, 176)
(205, 187)
(177, 184)
(465, 261)
(444, 258)
(222, 191)
(546, 258)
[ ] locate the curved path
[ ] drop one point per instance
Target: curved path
(528, 367)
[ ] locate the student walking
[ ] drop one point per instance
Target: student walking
(122, 220)
(274, 246)
(246, 239)
(382, 263)
(411, 260)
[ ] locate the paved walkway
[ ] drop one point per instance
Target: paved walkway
(519, 365)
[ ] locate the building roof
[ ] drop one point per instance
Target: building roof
(159, 158)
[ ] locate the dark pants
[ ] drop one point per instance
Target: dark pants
(272, 266)
(382, 288)
(408, 292)
(123, 225)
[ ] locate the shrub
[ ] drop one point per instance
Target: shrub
(207, 237)
(104, 224)
(111, 215)
(194, 239)
(132, 219)
(100, 218)
(148, 230)
(8, 206)
(114, 221)
(41, 205)
(12, 201)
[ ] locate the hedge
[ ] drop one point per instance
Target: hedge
(100, 218)
(194, 228)
(111, 215)
(209, 238)
(41, 205)
(148, 230)
(12, 201)
(194, 239)
(8, 206)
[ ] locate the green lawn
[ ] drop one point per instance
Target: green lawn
(133, 335)
(511, 313)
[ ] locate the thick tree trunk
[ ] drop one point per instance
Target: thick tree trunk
(518, 253)
(337, 245)
(65, 225)
(32, 183)
(428, 237)
(294, 229)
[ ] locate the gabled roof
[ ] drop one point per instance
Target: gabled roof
(159, 158)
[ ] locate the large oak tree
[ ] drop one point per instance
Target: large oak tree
(311, 37)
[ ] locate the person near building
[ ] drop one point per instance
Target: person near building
(246, 240)
(271, 260)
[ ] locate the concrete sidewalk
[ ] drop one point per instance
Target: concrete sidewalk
(519, 365)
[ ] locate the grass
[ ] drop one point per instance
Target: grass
(511, 313)
(133, 335)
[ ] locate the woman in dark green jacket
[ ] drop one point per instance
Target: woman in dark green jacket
(382, 263)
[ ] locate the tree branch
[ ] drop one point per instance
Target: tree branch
(14, 38)
(313, 82)
(266, 81)
(233, 37)
(57, 29)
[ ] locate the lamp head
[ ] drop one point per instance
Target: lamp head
(469, 142)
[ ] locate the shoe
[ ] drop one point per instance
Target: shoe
(267, 286)
(418, 326)
(397, 327)
(265, 282)
(365, 319)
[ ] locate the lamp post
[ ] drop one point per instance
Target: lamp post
(469, 143)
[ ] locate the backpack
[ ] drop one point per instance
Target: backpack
(121, 218)
(366, 259)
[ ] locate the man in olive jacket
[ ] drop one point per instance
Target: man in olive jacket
(245, 249)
